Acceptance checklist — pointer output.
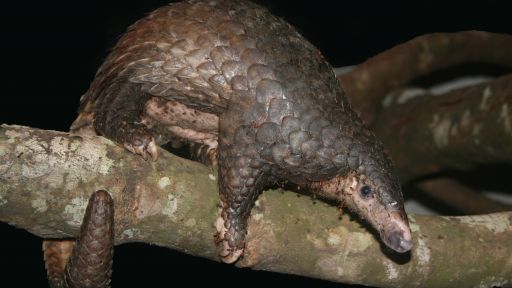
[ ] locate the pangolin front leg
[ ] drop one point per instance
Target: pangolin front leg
(238, 187)
(243, 173)
(88, 262)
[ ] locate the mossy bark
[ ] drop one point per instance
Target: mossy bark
(46, 178)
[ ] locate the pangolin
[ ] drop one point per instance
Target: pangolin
(253, 96)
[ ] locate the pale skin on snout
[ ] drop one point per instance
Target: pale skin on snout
(360, 195)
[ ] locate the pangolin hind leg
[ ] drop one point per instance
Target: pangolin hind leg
(88, 262)
(118, 117)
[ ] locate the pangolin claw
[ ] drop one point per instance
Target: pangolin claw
(143, 147)
(226, 252)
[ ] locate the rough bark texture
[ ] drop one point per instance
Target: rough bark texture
(46, 178)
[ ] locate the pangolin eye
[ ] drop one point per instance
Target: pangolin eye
(366, 192)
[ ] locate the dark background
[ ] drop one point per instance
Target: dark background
(51, 50)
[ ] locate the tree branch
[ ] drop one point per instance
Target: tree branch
(47, 176)
(368, 84)
(460, 197)
(460, 129)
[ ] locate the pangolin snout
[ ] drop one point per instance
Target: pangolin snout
(399, 241)
(397, 234)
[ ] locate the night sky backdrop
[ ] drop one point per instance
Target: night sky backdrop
(51, 50)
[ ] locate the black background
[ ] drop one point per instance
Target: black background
(51, 50)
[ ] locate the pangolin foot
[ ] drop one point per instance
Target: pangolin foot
(227, 253)
(139, 141)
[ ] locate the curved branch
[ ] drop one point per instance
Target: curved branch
(460, 197)
(372, 80)
(459, 129)
(47, 176)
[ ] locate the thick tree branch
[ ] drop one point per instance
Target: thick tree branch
(392, 69)
(460, 129)
(47, 176)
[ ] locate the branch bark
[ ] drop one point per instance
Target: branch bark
(462, 198)
(368, 84)
(46, 178)
(460, 129)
